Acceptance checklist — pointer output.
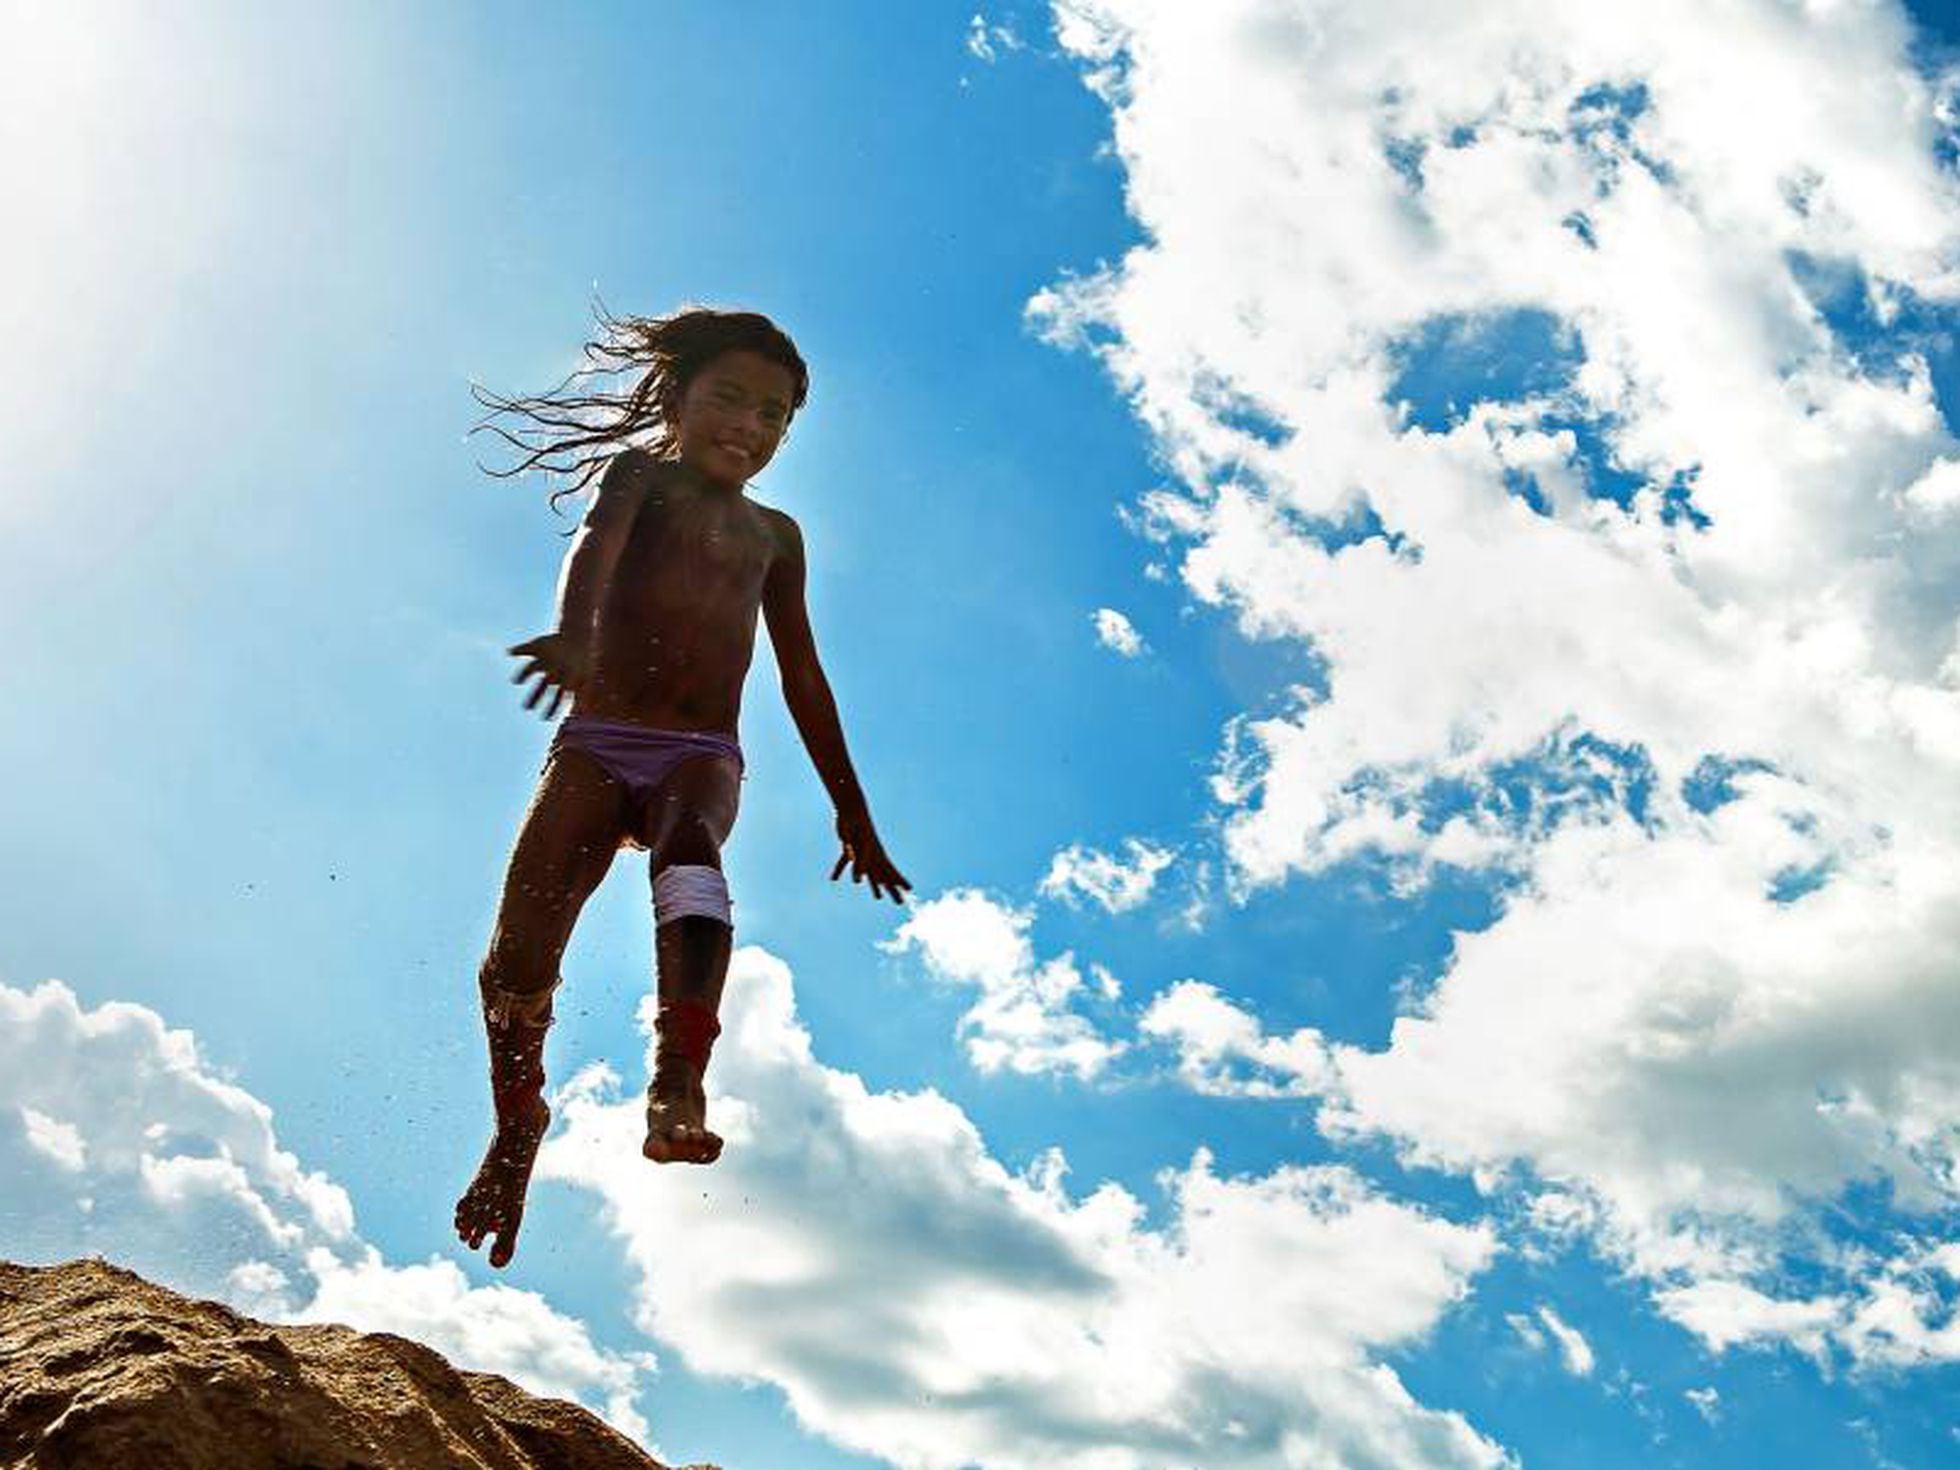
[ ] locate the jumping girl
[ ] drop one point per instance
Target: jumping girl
(657, 608)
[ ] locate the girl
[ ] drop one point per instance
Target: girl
(657, 608)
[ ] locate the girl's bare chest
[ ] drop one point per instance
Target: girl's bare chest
(687, 543)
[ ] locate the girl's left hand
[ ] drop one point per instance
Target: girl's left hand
(866, 856)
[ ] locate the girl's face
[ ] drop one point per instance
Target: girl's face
(732, 416)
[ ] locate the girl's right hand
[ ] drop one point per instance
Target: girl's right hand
(560, 665)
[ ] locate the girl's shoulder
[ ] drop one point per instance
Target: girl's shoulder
(785, 536)
(634, 472)
(626, 486)
(778, 521)
(638, 465)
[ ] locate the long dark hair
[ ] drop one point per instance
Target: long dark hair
(575, 428)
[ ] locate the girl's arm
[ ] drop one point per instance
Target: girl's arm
(562, 659)
(595, 549)
(811, 705)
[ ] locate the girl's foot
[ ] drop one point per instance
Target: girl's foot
(677, 1123)
(493, 1205)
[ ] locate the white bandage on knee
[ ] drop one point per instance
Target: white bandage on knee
(690, 888)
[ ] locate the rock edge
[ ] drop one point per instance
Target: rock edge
(100, 1367)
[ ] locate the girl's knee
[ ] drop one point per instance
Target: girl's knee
(521, 963)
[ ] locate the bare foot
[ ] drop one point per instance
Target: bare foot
(494, 1202)
(677, 1124)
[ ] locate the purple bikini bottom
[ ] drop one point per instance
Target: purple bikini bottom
(640, 757)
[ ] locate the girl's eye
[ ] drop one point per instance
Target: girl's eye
(734, 401)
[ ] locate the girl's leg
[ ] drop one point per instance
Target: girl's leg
(686, 826)
(567, 841)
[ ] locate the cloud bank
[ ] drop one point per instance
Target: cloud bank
(116, 1138)
(1564, 381)
(917, 1300)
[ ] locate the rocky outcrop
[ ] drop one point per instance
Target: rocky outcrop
(99, 1367)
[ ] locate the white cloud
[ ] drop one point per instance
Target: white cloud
(1937, 492)
(1079, 872)
(1703, 1083)
(1223, 1051)
(1724, 1313)
(916, 1300)
(1117, 633)
(259, 1288)
(1022, 1021)
(1574, 1352)
(1898, 1314)
(987, 40)
(131, 1147)
(179, 1165)
(60, 1141)
(1696, 1027)
(1906, 1316)
(1707, 1402)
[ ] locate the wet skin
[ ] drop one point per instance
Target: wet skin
(659, 603)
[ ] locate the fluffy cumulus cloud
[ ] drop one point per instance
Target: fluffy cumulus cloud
(1560, 377)
(916, 1300)
(1024, 1019)
(117, 1138)
(1222, 1050)
(1117, 884)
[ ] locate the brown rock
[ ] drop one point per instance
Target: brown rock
(99, 1367)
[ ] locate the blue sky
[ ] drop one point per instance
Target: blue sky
(1416, 720)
